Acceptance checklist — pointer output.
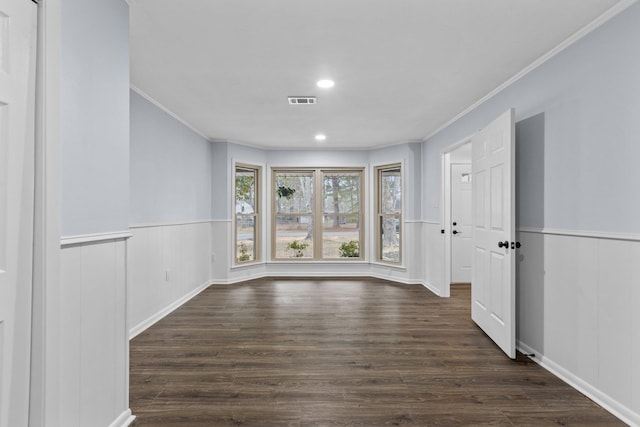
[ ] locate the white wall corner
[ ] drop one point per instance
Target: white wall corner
(125, 419)
(432, 288)
(156, 103)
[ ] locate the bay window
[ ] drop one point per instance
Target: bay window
(317, 214)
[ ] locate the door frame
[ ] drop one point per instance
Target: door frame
(445, 209)
(45, 333)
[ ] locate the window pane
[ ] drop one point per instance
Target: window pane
(246, 238)
(294, 192)
(390, 191)
(341, 192)
(390, 239)
(245, 190)
(316, 211)
(341, 236)
(294, 236)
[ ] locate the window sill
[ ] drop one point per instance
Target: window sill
(246, 265)
(399, 267)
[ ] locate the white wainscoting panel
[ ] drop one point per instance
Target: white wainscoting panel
(94, 338)
(616, 332)
(433, 258)
(221, 257)
(634, 347)
(530, 289)
(586, 331)
(413, 250)
(167, 265)
(571, 307)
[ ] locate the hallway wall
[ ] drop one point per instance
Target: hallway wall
(94, 116)
(168, 260)
(94, 202)
(577, 209)
(170, 168)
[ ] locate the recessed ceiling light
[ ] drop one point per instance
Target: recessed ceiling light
(325, 84)
(321, 137)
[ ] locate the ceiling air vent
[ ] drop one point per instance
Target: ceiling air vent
(302, 100)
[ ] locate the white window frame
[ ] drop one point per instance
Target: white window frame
(317, 213)
(257, 215)
(378, 214)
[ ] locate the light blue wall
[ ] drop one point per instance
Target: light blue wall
(583, 148)
(171, 168)
(530, 171)
(220, 184)
(94, 151)
(224, 153)
(317, 158)
(245, 154)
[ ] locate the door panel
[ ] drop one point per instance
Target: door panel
(479, 202)
(479, 276)
(497, 198)
(17, 101)
(493, 276)
(496, 280)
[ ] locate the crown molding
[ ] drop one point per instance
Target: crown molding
(600, 20)
(165, 109)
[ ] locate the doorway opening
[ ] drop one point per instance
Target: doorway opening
(457, 214)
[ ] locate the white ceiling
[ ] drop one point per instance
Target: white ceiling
(402, 68)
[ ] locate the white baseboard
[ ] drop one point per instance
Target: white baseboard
(124, 420)
(262, 275)
(395, 279)
(607, 402)
(145, 324)
(231, 281)
(432, 288)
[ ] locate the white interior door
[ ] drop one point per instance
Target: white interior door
(461, 223)
(493, 278)
(18, 20)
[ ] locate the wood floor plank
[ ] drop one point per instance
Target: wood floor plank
(340, 352)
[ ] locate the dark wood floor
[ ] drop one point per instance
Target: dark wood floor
(338, 353)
